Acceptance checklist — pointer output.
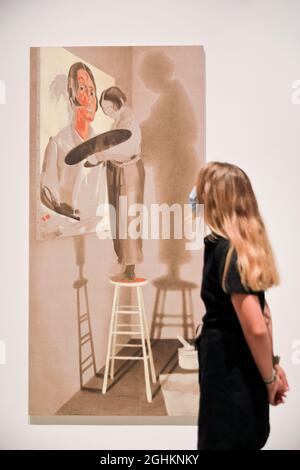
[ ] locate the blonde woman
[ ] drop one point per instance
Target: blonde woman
(239, 376)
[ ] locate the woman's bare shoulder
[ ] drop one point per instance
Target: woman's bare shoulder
(126, 111)
(126, 117)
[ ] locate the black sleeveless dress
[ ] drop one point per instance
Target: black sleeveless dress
(234, 407)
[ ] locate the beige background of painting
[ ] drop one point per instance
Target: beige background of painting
(170, 111)
(252, 59)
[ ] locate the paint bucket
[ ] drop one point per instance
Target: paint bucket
(188, 358)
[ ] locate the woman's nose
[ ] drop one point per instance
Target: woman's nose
(87, 97)
(91, 97)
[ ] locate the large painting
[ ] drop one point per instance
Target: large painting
(112, 124)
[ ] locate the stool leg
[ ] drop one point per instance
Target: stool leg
(148, 340)
(114, 336)
(146, 368)
(79, 338)
(112, 321)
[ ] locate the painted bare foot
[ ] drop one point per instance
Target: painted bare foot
(119, 277)
(128, 274)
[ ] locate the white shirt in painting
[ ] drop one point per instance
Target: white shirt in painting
(64, 180)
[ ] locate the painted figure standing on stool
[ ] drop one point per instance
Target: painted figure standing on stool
(125, 177)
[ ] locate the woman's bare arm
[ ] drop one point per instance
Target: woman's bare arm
(268, 319)
(255, 330)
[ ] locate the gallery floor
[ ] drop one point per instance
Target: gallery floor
(126, 394)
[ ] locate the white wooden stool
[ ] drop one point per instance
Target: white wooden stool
(141, 329)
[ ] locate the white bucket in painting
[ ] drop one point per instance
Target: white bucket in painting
(188, 358)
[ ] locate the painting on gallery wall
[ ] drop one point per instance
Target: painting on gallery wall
(108, 312)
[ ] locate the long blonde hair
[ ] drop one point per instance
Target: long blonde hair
(231, 211)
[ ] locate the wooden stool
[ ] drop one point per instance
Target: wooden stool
(141, 329)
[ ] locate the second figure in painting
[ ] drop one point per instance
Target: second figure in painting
(125, 179)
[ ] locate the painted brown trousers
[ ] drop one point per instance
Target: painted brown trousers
(125, 179)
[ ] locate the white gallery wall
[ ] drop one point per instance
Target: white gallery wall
(252, 53)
